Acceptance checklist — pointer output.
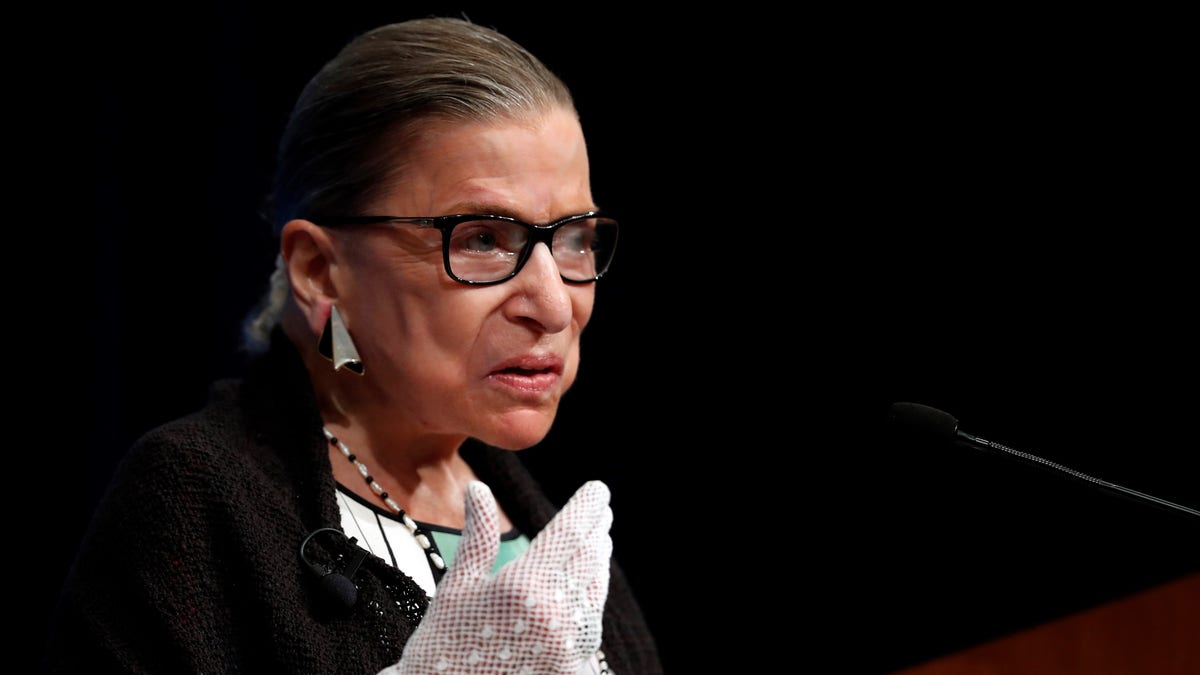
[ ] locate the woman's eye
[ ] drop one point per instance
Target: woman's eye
(488, 237)
(480, 241)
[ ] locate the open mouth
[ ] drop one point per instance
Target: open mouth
(532, 374)
(527, 372)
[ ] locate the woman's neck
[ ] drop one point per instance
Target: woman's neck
(426, 477)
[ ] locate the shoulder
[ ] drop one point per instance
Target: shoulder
(193, 442)
(164, 467)
(221, 457)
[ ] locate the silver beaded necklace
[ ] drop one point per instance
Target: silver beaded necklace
(436, 563)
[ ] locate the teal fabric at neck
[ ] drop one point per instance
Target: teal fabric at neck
(512, 544)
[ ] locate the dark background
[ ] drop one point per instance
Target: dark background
(823, 213)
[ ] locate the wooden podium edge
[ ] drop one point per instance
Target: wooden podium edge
(1156, 630)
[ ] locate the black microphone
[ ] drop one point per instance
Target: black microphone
(337, 589)
(916, 420)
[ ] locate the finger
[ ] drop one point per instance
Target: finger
(596, 591)
(571, 526)
(481, 534)
(592, 557)
(587, 577)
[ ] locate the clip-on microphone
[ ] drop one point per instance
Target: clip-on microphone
(336, 587)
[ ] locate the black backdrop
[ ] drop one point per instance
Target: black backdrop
(824, 213)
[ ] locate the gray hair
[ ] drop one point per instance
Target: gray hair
(344, 142)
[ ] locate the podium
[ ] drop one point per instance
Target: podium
(1156, 630)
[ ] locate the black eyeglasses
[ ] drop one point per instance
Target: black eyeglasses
(485, 249)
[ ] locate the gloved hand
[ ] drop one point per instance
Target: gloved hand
(540, 613)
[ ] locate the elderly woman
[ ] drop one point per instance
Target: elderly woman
(353, 504)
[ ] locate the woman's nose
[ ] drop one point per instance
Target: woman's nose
(547, 300)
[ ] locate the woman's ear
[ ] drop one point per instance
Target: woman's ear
(309, 254)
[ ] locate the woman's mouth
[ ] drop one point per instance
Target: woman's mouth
(529, 374)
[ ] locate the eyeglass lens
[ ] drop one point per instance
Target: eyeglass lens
(489, 250)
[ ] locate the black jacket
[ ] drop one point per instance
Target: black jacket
(191, 562)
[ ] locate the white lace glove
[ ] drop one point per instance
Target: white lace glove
(540, 613)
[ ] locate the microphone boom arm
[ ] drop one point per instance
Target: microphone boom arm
(977, 442)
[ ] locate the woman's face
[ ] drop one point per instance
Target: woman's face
(446, 358)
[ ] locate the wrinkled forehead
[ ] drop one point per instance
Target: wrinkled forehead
(529, 165)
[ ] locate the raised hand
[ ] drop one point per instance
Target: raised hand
(539, 614)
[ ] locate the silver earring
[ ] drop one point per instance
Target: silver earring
(337, 346)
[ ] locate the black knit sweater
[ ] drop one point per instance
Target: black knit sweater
(191, 562)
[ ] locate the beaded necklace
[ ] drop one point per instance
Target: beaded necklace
(436, 563)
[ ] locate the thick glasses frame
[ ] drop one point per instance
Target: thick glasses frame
(446, 224)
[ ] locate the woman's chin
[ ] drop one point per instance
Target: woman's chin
(517, 431)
